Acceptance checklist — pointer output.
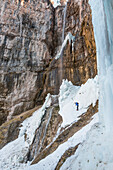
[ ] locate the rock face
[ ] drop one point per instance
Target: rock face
(30, 37)
(26, 36)
(79, 62)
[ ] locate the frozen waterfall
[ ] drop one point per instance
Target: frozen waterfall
(102, 16)
(64, 23)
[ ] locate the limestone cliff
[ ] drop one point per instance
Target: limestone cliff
(26, 36)
(30, 37)
(79, 61)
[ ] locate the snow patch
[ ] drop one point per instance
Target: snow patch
(56, 3)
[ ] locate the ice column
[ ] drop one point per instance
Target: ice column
(102, 16)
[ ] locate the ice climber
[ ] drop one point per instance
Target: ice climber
(77, 104)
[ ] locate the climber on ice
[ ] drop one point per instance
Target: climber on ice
(77, 104)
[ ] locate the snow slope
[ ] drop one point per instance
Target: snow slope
(96, 153)
(51, 161)
(85, 95)
(14, 153)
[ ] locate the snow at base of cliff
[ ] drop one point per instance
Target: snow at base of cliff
(96, 153)
(85, 95)
(51, 161)
(14, 153)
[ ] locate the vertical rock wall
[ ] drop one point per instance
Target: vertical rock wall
(79, 63)
(26, 36)
(30, 37)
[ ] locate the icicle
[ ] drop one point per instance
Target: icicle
(64, 22)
